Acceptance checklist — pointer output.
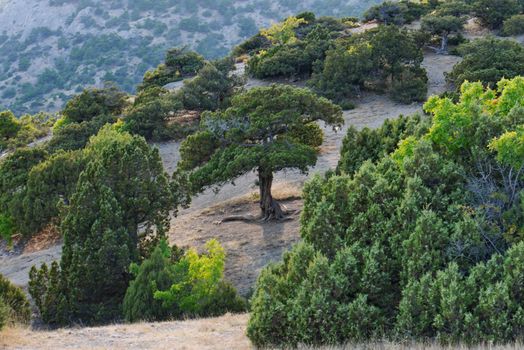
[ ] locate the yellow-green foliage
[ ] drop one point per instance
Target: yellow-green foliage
(424, 243)
(199, 288)
(510, 148)
(283, 32)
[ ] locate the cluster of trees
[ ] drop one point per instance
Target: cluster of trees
(153, 113)
(292, 48)
(488, 60)
(383, 59)
(116, 216)
(422, 241)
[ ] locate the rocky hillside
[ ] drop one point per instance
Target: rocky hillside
(50, 49)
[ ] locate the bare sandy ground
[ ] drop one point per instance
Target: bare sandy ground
(226, 332)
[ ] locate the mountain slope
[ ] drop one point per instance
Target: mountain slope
(50, 49)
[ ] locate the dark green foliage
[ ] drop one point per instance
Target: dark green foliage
(152, 275)
(14, 304)
(492, 13)
(397, 13)
(386, 13)
(122, 186)
(442, 25)
(74, 136)
(410, 86)
(514, 25)
(423, 244)
(45, 289)
(9, 127)
(373, 144)
(298, 56)
(92, 103)
(257, 133)
(149, 114)
(252, 45)
(7, 228)
(212, 88)
(50, 184)
(179, 63)
(488, 60)
(384, 59)
(14, 173)
(483, 306)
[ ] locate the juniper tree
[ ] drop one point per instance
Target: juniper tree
(121, 202)
(442, 25)
(262, 131)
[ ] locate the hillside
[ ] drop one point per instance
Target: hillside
(332, 183)
(51, 49)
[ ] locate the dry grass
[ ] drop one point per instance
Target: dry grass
(416, 346)
(226, 332)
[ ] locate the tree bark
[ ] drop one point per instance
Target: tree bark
(444, 44)
(271, 209)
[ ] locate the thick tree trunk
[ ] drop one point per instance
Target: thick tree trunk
(444, 44)
(271, 209)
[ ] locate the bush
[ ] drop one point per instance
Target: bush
(371, 60)
(488, 60)
(199, 288)
(171, 284)
(16, 308)
(179, 64)
(410, 86)
(148, 116)
(14, 172)
(513, 25)
(212, 88)
(421, 244)
(284, 61)
(155, 273)
(373, 144)
(492, 13)
(92, 103)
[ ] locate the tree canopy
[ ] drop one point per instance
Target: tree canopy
(259, 132)
(488, 60)
(423, 242)
(118, 210)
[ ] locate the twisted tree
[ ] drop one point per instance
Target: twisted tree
(265, 130)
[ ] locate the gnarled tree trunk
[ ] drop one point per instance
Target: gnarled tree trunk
(271, 209)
